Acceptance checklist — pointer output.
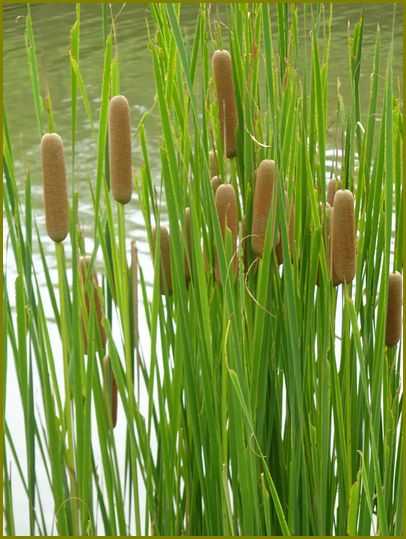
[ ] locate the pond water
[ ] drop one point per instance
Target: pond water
(52, 25)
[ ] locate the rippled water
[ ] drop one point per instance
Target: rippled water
(52, 25)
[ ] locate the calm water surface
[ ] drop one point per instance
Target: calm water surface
(52, 26)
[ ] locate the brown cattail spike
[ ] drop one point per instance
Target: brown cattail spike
(332, 187)
(394, 313)
(226, 205)
(265, 190)
(110, 388)
(223, 77)
(213, 164)
(343, 237)
(165, 260)
(92, 295)
(187, 238)
(55, 187)
(120, 149)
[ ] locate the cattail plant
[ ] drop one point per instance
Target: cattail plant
(120, 149)
(165, 259)
(213, 164)
(290, 207)
(215, 183)
(332, 187)
(55, 187)
(223, 77)
(265, 191)
(343, 237)
(110, 390)
(226, 205)
(92, 296)
(394, 312)
(187, 238)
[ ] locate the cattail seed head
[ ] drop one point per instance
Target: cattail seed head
(187, 238)
(223, 77)
(110, 387)
(394, 312)
(213, 164)
(226, 205)
(55, 187)
(120, 149)
(265, 191)
(92, 296)
(343, 237)
(165, 259)
(332, 187)
(215, 183)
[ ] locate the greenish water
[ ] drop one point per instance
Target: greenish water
(52, 30)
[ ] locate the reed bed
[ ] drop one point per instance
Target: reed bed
(262, 394)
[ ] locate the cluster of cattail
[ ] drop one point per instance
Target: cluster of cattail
(57, 213)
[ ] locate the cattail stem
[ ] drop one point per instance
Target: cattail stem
(223, 77)
(394, 311)
(134, 293)
(165, 259)
(55, 187)
(343, 237)
(110, 387)
(265, 192)
(120, 149)
(226, 205)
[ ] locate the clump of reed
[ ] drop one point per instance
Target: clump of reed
(261, 406)
(223, 78)
(55, 187)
